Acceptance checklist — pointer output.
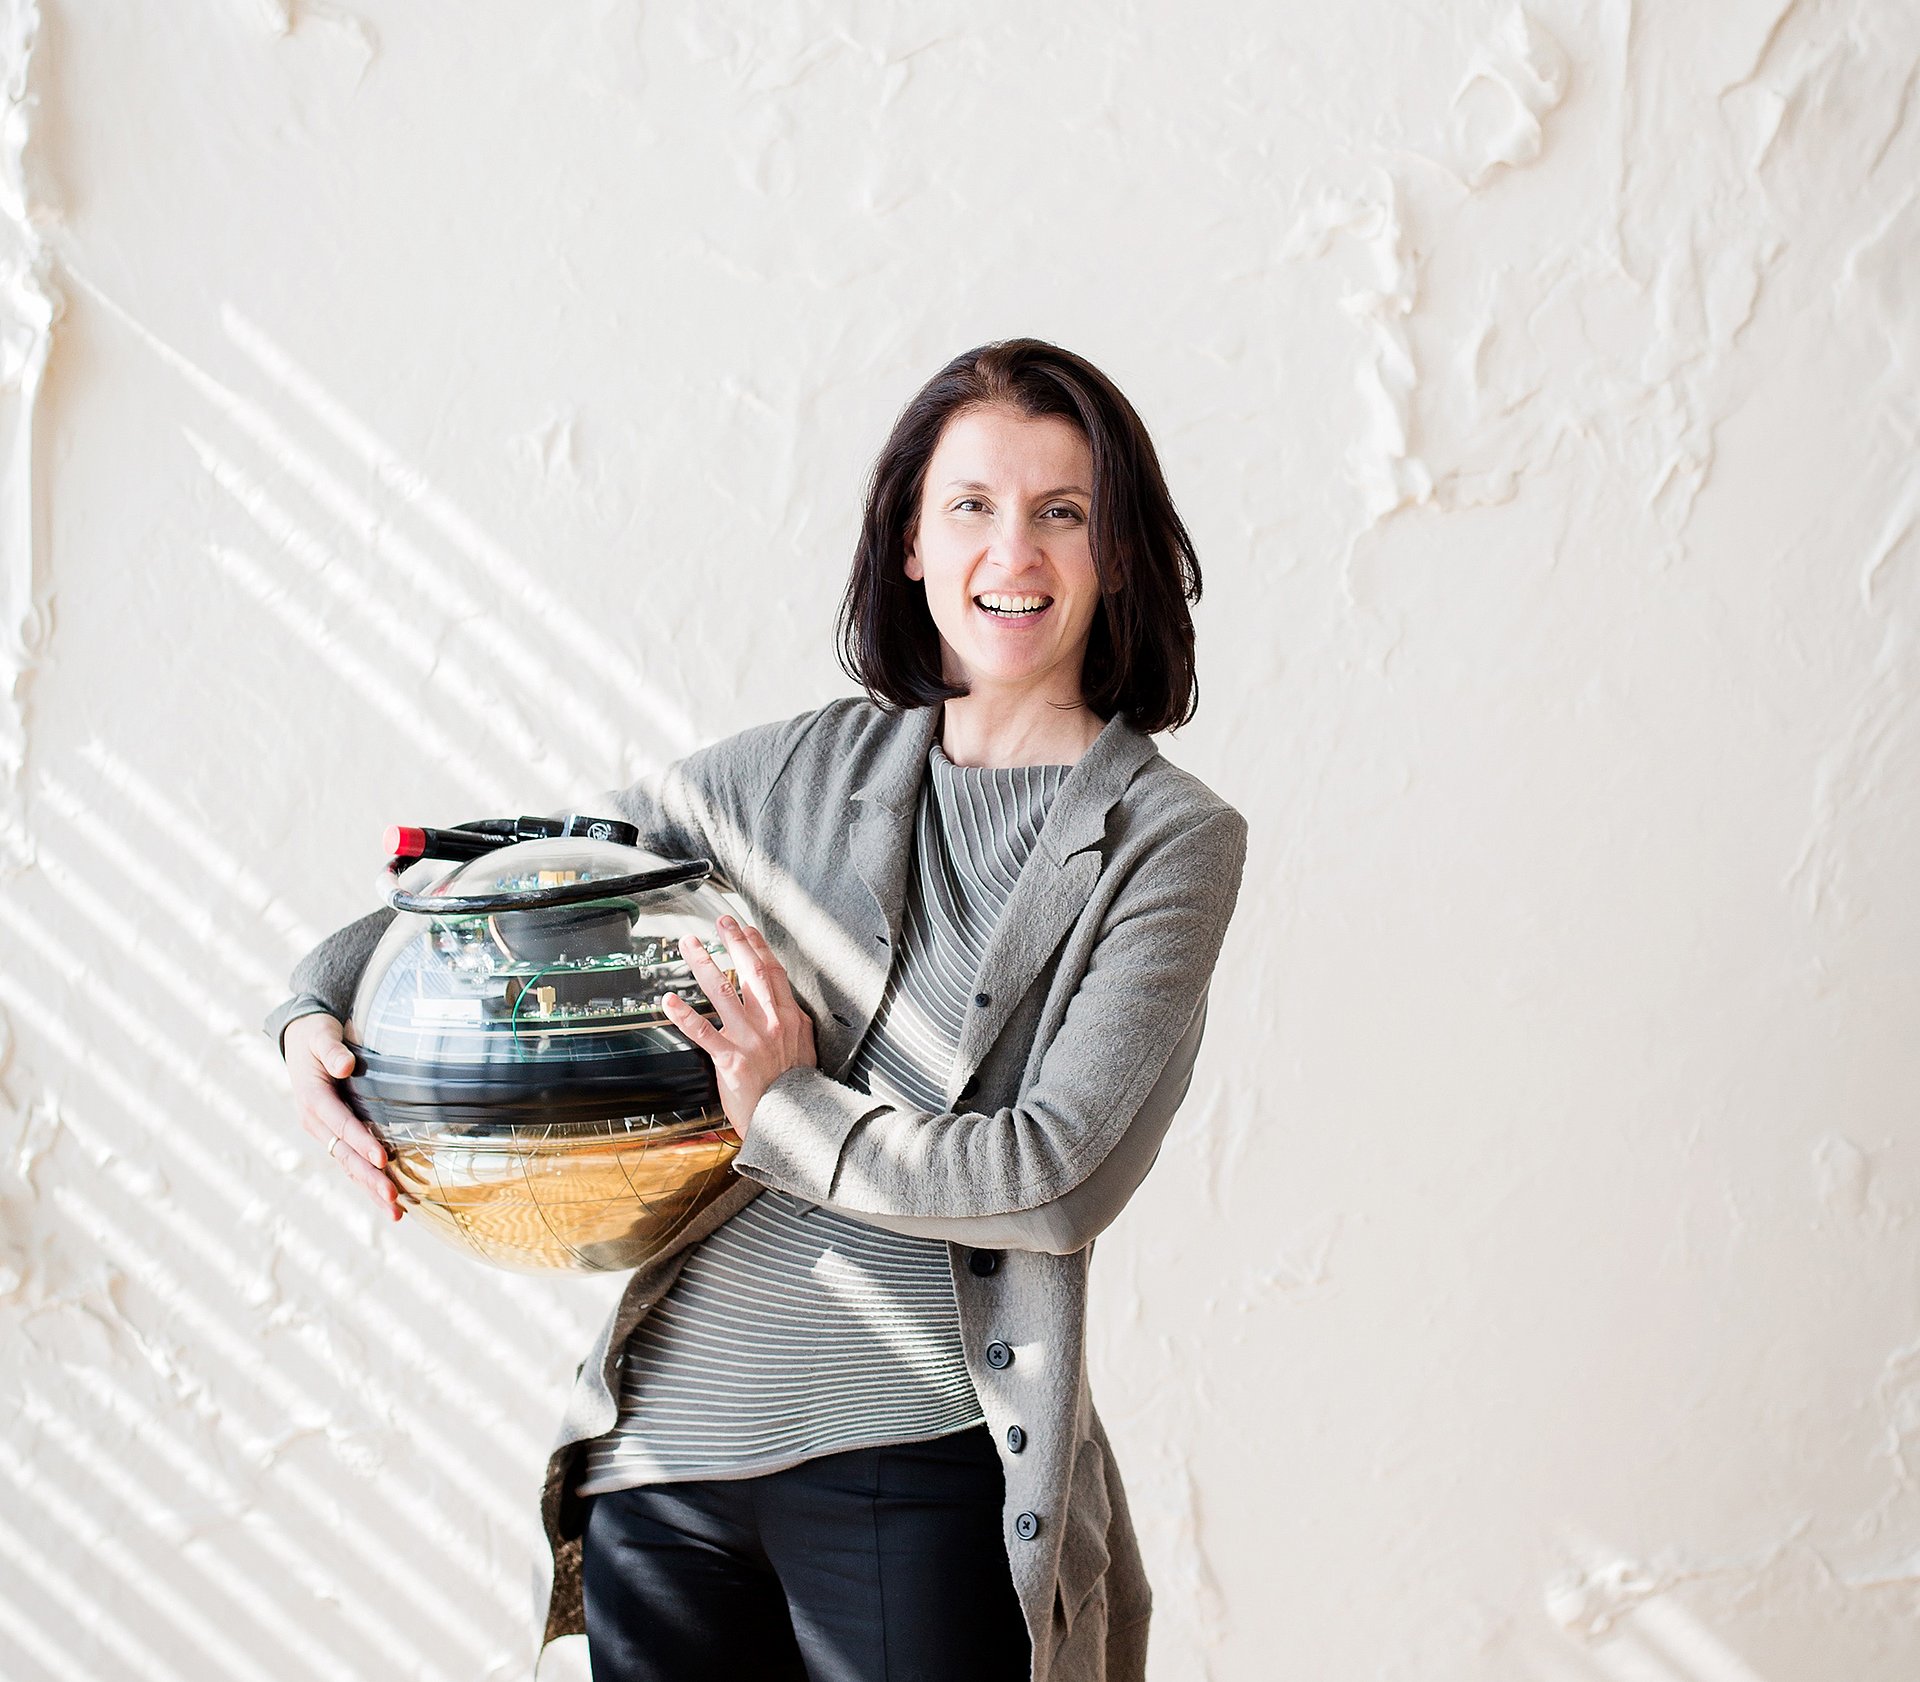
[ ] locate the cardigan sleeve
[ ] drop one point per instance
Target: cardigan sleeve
(1140, 994)
(1075, 1219)
(323, 980)
(701, 806)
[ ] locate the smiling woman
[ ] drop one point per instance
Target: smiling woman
(843, 1430)
(1021, 493)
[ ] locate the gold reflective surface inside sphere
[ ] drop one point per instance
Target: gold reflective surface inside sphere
(563, 1199)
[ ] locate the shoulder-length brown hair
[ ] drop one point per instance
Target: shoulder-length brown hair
(1139, 657)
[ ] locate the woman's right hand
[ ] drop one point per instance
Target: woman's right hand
(317, 1057)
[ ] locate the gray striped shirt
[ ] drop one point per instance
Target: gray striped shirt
(793, 1330)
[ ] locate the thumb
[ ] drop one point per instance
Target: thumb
(339, 1061)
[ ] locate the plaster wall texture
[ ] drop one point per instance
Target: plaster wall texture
(408, 415)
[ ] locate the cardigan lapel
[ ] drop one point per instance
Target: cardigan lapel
(1054, 885)
(879, 845)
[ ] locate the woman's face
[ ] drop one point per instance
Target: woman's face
(1003, 515)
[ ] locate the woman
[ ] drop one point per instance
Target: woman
(843, 1431)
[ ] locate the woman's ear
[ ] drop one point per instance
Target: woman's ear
(911, 566)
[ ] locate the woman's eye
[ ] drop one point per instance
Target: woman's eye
(1067, 509)
(967, 502)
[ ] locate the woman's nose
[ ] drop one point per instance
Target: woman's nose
(1015, 547)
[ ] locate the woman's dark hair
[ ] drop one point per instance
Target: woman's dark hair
(1139, 657)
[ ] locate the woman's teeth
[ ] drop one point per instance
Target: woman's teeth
(1013, 607)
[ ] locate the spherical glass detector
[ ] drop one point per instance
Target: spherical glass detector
(514, 1056)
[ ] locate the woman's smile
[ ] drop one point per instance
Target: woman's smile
(1017, 609)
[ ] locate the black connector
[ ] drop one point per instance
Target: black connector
(408, 842)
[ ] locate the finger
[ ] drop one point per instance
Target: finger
(751, 961)
(309, 1072)
(370, 1180)
(369, 1176)
(355, 1163)
(325, 1116)
(329, 1120)
(356, 1167)
(691, 1023)
(783, 1009)
(713, 981)
(770, 967)
(324, 1049)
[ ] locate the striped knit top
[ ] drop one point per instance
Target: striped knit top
(794, 1330)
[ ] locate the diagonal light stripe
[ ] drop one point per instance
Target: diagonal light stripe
(131, 869)
(477, 618)
(293, 1404)
(363, 678)
(246, 891)
(136, 1579)
(401, 637)
(97, 1616)
(397, 1579)
(569, 629)
(128, 1495)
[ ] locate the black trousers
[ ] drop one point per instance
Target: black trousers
(871, 1565)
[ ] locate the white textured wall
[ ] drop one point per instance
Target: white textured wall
(412, 411)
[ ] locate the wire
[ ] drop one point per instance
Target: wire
(513, 1018)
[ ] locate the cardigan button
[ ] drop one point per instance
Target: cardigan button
(1027, 1526)
(983, 999)
(1016, 1439)
(983, 1263)
(999, 1356)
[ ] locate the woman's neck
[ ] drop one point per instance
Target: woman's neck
(976, 731)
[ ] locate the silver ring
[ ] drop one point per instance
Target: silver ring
(331, 1143)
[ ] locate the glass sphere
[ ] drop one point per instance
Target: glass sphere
(512, 1054)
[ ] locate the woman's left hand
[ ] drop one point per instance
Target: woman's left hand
(761, 1035)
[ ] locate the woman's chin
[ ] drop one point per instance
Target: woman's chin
(986, 673)
(992, 659)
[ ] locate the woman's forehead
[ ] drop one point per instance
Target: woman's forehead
(998, 448)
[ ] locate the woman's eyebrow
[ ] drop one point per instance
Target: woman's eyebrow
(1058, 490)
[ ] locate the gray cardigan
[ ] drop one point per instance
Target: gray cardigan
(1075, 1055)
